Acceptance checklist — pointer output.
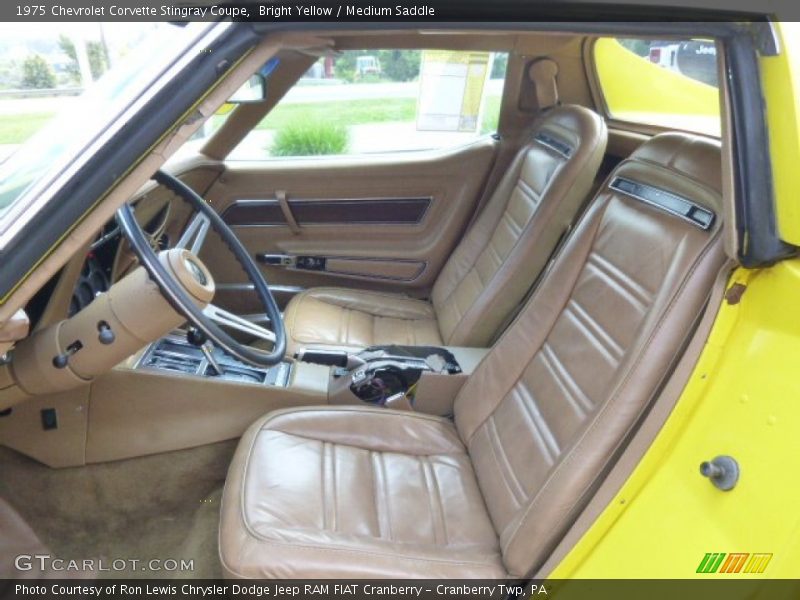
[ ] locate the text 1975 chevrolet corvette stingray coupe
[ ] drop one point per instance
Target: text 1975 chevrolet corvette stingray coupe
(560, 344)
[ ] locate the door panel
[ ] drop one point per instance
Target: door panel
(386, 222)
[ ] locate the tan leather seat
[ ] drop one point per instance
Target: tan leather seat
(492, 268)
(365, 492)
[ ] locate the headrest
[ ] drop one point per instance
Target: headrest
(543, 73)
(694, 156)
(678, 172)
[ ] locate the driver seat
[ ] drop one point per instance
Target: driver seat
(490, 271)
(361, 492)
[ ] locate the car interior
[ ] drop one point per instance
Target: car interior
(417, 364)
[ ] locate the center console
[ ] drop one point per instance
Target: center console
(421, 378)
(175, 355)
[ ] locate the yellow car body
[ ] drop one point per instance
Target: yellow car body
(741, 400)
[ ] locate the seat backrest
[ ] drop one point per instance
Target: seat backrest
(509, 244)
(544, 412)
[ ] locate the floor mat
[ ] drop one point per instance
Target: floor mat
(162, 507)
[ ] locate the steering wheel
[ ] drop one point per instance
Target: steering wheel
(208, 320)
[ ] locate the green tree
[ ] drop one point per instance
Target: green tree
(400, 65)
(637, 46)
(396, 65)
(98, 62)
(37, 74)
(499, 66)
(67, 47)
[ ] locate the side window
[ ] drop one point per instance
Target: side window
(666, 83)
(374, 101)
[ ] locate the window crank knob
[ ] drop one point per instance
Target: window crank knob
(723, 472)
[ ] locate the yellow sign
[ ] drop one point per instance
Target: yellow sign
(451, 90)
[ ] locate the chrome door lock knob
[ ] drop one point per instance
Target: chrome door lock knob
(723, 472)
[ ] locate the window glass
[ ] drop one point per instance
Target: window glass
(372, 101)
(63, 83)
(670, 84)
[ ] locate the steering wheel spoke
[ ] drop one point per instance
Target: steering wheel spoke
(223, 318)
(195, 233)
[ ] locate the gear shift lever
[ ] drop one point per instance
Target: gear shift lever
(197, 338)
(206, 349)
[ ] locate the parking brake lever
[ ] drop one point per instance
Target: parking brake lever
(332, 358)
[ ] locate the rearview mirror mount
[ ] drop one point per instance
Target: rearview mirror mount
(253, 91)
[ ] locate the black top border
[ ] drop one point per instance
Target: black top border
(351, 11)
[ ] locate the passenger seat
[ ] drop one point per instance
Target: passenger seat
(365, 492)
(492, 268)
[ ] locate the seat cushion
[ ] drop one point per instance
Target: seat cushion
(354, 492)
(355, 319)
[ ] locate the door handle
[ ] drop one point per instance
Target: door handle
(306, 263)
(278, 260)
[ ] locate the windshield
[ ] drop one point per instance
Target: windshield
(150, 48)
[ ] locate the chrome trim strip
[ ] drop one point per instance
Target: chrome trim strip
(557, 146)
(666, 201)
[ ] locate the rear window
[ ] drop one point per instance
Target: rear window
(666, 83)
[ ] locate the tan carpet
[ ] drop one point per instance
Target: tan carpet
(156, 507)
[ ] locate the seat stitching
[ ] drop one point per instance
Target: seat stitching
(334, 488)
(438, 493)
(494, 252)
(570, 456)
(368, 448)
(506, 472)
(301, 298)
(369, 293)
(428, 492)
(324, 455)
(277, 414)
(376, 494)
(623, 279)
(386, 495)
(530, 224)
(482, 285)
(585, 218)
(591, 336)
(612, 344)
(516, 229)
(330, 550)
(531, 410)
(527, 190)
(580, 401)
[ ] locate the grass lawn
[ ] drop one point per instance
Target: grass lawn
(358, 112)
(343, 112)
(15, 129)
